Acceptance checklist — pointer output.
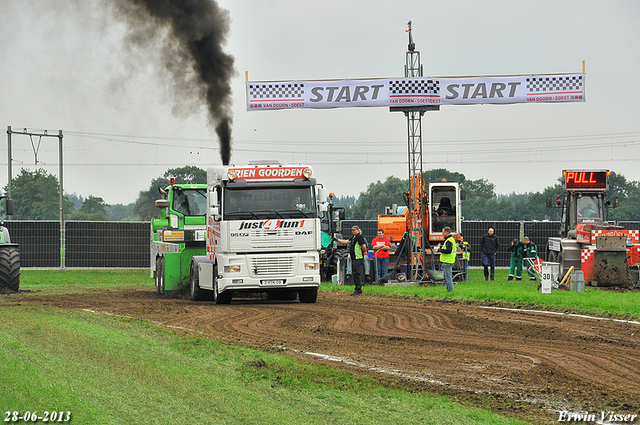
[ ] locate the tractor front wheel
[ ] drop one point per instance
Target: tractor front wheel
(9, 268)
(160, 275)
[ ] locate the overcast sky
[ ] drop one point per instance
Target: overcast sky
(65, 66)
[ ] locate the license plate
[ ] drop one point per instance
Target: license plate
(272, 282)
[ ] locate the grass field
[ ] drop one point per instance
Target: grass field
(112, 370)
(522, 294)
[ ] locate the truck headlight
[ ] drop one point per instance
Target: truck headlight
(232, 269)
(311, 266)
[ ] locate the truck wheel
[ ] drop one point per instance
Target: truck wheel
(9, 269)
(197, 293)
(219, 298)
(160, 275)
(308, 295)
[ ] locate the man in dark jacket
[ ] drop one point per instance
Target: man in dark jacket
(357, 252)
(489, 246)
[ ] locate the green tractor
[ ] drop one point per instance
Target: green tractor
(331, 251)
(9, 257)
(177, 235)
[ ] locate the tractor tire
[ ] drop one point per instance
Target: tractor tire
(9, 269)
(343, 255)
(160, 276)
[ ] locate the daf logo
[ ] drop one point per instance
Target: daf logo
(304, 232)
(271, 224)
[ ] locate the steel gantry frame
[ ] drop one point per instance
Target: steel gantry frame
(417, 198)
(40, 135)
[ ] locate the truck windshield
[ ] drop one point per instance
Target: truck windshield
(190, 201)
(269, 202)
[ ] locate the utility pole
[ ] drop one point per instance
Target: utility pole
(36, 148)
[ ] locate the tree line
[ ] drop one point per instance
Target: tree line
(35, 195)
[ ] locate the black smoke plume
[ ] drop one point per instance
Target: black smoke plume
(190, 34)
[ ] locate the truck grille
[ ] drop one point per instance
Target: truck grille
(272, 266)
(270, 239)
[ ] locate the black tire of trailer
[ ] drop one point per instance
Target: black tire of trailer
(160, 275)
(197, 293)
(9, 268)
(309, 295)
(219, 298)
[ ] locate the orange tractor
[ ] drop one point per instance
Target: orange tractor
(417, 228)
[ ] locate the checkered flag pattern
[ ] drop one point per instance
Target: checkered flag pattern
(276, 91)
(413, 87)
(634, 235)
(587, 253)
(555, 84)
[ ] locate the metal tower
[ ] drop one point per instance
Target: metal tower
(417, 195)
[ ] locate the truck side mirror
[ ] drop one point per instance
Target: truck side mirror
(616, 202)
(463, 195)
(549, 203)
(322, 195)
(213, 198)
(215, 213)
(162, 203)
(10, 206)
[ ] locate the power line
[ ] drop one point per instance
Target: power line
(440, 150)
(128, 139)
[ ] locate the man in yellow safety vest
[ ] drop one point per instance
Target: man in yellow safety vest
(466, 257)
(448, 253)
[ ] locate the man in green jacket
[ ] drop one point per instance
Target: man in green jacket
(530, 251)
(517, 252)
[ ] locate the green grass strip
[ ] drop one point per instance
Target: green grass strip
(521, 294)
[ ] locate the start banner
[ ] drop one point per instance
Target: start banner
(415, 92)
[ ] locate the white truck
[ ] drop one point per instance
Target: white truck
(263, 233)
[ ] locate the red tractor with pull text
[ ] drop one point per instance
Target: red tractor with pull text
(605, 252)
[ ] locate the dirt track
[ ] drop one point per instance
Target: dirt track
(478, 355)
